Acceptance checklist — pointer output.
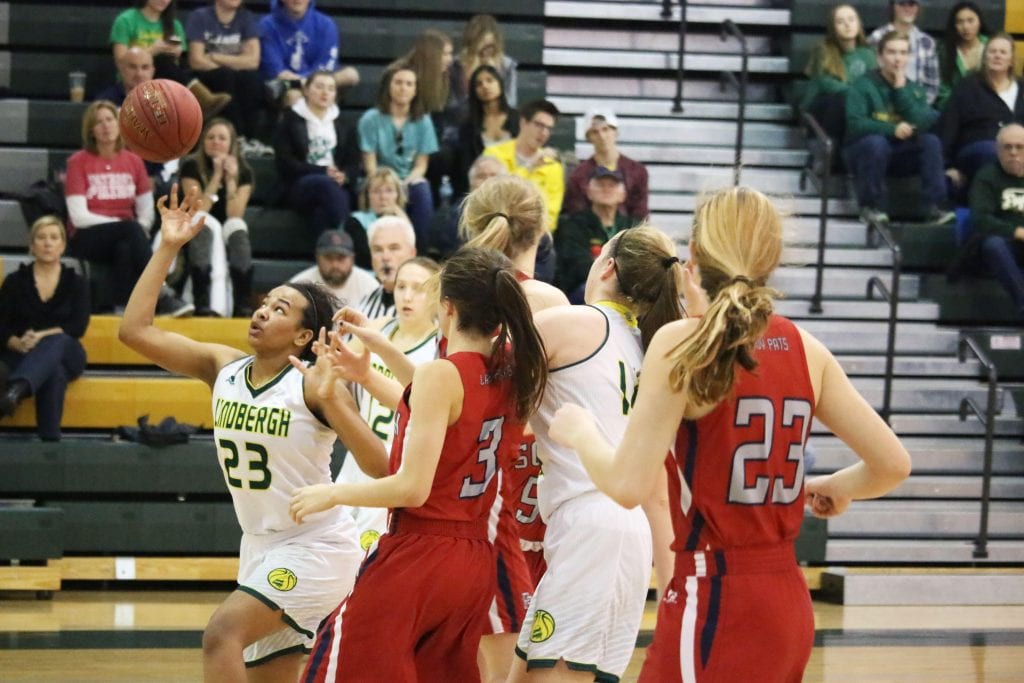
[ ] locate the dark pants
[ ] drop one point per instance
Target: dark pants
(323, 202)
(55, 361)
(246, 90)
(420, 209)
(168, 66)
(1004, 257)
(122, 245)
(873, 157)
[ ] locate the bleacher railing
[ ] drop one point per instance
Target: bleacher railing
(731, 29)
(666, 13)
(988, 419)
(824, 183)
(890, 293)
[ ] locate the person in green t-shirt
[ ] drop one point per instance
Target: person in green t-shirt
(152, 26)
(839, 59)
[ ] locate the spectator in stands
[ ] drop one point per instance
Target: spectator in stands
(527, 157)
(431, 59)
(923, 59)
(997, 208)
(392, 243)
(962, 45)
(224, 53)
(134, 68)
(841, 58)
(383, 195)
(980, 105)
(223, 181)
(398, 134)
(489, 120)
(603, 134)
(44, 310)
(581, 235)
(295, 41)
(336, 269)
(483, 43)
(887, 124)
(316, 156)
(152, 26)
(110, 207)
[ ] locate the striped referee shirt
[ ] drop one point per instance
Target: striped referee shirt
(378, 304)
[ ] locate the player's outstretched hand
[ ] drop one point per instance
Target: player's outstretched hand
(823, 498)
(347, 314)
(177, 221)
(570, 425)
(311, 499)
(352, 366)
(321, 378)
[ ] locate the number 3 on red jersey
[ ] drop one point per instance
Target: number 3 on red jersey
(490, 440)
(748, 410)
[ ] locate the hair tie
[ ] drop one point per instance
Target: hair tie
(742, 278)
(667, 262)
(500, 215)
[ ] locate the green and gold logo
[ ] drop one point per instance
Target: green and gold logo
(543, 626)
(282, 579)
(368, 538)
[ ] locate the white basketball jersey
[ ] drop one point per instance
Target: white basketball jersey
(270, 444)
(605, 384)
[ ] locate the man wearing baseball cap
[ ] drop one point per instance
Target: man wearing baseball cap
(335, 268)
(581, 235)
(603, 134)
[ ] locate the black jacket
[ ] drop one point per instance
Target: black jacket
(21, 308)
(291, 147)
(974, 113)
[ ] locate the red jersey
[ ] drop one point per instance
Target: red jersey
(743, 462)
(482, 438)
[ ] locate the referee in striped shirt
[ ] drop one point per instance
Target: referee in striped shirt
(392, 243)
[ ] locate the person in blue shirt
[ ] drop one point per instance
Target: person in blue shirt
(399, 134)
(295, 41)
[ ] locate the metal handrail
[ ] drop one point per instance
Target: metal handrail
(823, 189)
(988, 419)
(892, 295)
(666, 13)
(731, 29)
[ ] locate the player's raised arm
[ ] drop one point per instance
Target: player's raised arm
(169, 350)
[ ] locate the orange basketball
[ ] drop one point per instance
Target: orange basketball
(160, 120)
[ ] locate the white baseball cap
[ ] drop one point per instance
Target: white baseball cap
(607, 115)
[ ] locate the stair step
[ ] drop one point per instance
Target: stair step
(797, 230)
(636, 12)
(708, 179)
(678, 201)
(680, 131)
(693, 109)
(922, 587)
(661, 61)
(836, 309)
(929, 455)
(959, 486)
(838, 257)
(951, 425)
(687, 154)
(921, 551)
(656, 87)
(798, 283)
(902, 365)
(927, 395)
(665, 40)
(926, 519)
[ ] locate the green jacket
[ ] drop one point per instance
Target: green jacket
(873, 107)
(997, 201)
(858, 61)
(578, 241)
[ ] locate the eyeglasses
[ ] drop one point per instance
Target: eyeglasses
(399, 148)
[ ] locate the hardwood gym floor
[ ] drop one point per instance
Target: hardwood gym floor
(120, 636)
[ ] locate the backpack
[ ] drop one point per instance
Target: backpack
(43, 198)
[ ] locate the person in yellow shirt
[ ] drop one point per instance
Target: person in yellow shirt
(527, 157)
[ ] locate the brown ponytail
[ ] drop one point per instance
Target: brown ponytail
(482, 286)
(736, 243)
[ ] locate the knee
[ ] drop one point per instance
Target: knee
(219, 638)
(994, 246)
(929, 143)
(233, 226)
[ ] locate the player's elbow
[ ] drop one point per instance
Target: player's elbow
(416, 495)
(625, 495)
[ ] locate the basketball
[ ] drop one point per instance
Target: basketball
(160, 120)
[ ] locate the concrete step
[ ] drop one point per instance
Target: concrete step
(637, 12)
(903, 365)
(680, 131)
(932, 551)
(661, 61)
(837, 309)
(693, 109)
(663, 88)
(922, 587)
(20, 167)
(837, 256)
(929, 455)
(951, 425)
(664, 40)
(677, 202)
(928, 519)
(704, 154)
(708, 179)
(798, 283)
(797, 230)
(855, 336)
(927, 395)
(959, 486)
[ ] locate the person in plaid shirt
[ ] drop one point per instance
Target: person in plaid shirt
(923, 67)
